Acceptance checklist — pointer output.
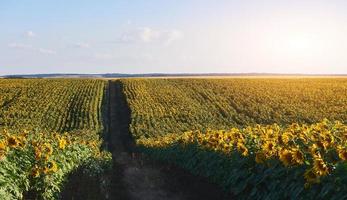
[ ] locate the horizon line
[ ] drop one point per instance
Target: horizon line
(173, 74)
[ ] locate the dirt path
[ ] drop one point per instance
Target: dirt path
(135, 176)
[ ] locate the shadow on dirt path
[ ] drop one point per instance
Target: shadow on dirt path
(135, 176)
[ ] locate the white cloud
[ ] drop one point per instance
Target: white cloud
(150, 35)
(31, 48)
(172, 36)
(147, 34)
(82, 45)
(30, 34)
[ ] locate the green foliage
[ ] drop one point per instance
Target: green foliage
(248, 180)
(47, 108)
(51, 104)
(161, 108)
(24, 172)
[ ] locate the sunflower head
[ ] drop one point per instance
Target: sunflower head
(50, 167)
(35, 172)
(12, 141)
(328, 138)
(320, 167)
(226, 148)
(322, 145)
(3, 146)
(269, 148)
(286, 156)
(298, 156)
(48, 149)
(242, 149)
(62, 143)
(286, 137)
(342, 154)
(38, 153)
(314, 150)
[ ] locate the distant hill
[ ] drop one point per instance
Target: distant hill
(119, 75)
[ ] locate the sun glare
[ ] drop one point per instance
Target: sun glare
(298, 43)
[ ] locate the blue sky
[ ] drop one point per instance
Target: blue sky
(84, 36)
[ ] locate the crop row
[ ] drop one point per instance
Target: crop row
(54, 105)
(49, 129)
(258, 138)
(162, 106)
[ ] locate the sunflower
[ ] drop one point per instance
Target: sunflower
(319, 167)
(2, 154)
(38, 153)
(298, 156)
(25, 133)
(21, 141)
(46, 158)
(3, 149)
(50, 167)
(269, 148)
(303, 138)
(48, 149)
(322, 145)
(34, 143)
(3, 146)
(286, 137)
(226, 148)
(62, 143)
(286, 156)
(12, 142)
(342, 154)
(35, 172)
(328, 140)
(242, 149)
(314, 150)
(228, 139)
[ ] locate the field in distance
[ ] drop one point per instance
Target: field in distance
(259, 138)
(161, 106)
(256, 137)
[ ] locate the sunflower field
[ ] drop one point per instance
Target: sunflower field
(35, 165)
(49, 128)
(51, 104)
(258, 138)
(162, 106)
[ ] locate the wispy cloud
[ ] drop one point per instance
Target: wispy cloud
(147, 34)
(150, 35)
(29, 47)
(173, 35)
(30, 34)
